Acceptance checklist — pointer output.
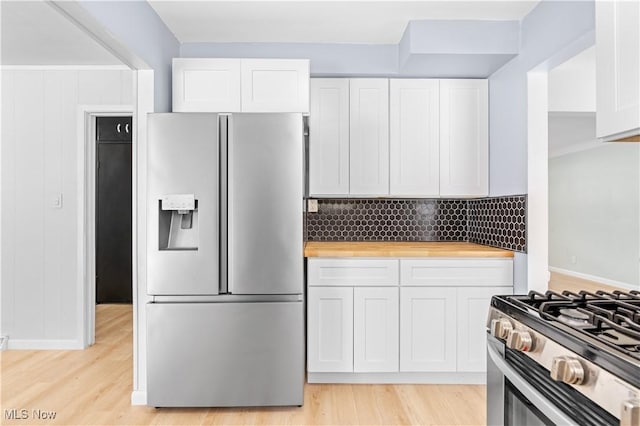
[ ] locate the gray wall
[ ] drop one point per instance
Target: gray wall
(594, 211)
(546, 31)
(428, 49)
(136, 25)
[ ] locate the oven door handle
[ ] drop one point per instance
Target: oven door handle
(536, 398)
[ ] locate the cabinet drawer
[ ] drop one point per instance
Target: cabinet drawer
(456, 272)
(352, 272)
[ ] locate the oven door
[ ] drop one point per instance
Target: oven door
(521, 392)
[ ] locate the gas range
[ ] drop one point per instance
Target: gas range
(586, 342)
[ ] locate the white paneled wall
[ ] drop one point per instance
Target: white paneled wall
(40, 292)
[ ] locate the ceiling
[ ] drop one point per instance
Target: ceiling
(332, 21)
(34, 33)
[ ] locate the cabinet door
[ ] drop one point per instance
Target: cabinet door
(330, 329)
(375, 329)
(414, 114)
(206, 85)
(329, 137)
(275, 85)
(369, 136)
(617, 68)
(473, 307)
(464, 138)
(428, 329)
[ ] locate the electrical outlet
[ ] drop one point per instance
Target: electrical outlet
(574, 260)
(312, 206)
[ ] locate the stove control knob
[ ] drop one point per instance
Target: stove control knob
(630, 413)
(501, 328)
(520, 340)
(568, 370)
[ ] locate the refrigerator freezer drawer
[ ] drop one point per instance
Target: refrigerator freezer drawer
(225, 354)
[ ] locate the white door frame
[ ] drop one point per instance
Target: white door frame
(538, 162)
(86, 211)
(143, 89)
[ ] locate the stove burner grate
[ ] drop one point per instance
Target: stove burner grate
(611, 317)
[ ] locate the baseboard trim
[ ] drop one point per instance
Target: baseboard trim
(452, 378)
(139, 397)
(26, 344)
(595, 278)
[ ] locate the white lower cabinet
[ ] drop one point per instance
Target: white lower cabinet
(427, 329)
(375, 329)
(386, 320)
(330, 329)
(473, 307)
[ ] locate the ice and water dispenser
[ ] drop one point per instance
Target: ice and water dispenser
(178, 222)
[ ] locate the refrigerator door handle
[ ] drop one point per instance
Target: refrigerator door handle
(229, 203)
(223, 127)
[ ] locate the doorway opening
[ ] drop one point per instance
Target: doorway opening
(593, 188)
(538, 274)
(103, 159)
(113, 207)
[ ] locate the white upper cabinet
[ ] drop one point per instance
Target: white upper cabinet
(369, 136)
(240, 85)
(329, 137)
(206, 85)
(275, 85)
(414, 146)
(399, 138)
(618, 70)
(464, 138)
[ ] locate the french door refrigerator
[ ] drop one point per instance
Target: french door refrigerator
(225, 323)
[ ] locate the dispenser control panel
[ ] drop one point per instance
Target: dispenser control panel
(181, 202)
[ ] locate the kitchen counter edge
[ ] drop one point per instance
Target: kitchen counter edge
(401, 249)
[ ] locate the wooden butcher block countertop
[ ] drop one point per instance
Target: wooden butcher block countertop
(400, 249)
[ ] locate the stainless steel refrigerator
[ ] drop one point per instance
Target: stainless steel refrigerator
(225, 326)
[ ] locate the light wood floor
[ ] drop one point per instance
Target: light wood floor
(93, 387)
(560, 282)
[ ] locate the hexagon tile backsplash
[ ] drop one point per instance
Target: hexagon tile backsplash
(498, 221)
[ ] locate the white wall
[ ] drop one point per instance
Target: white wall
(593, 213)
(572, 85)
(40, 292)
